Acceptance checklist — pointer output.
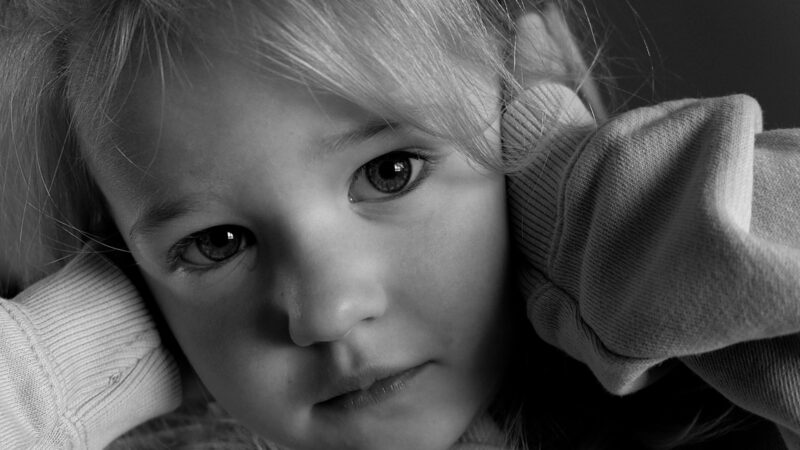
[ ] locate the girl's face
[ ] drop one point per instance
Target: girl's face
(336, 281)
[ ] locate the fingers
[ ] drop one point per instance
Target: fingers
(546, 50)
(536, 54)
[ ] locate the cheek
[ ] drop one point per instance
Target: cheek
(245, 371)
(460, 295)
(461, 267)
(467, 248)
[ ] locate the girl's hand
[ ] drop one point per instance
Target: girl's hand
(545, 51)
(535, 51)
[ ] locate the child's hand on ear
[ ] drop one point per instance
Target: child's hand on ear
(536, 56)
(545, 51)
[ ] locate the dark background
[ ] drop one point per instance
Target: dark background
(666, 49)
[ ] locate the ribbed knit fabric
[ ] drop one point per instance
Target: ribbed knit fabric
(546, 137)
(80, 360)
(669, 232)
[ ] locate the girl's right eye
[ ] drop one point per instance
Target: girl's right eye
(390, 176)
(211, 247)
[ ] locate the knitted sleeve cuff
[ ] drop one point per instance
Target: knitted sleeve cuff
(96, 341)
(543, 131)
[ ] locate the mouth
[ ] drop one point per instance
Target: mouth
(369, 388)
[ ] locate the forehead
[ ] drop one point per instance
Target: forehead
(195, 117)
(220, 93)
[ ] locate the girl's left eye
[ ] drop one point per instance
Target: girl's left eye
(389, 176)
(212, 246)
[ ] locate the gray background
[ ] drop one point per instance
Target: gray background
(705, 48)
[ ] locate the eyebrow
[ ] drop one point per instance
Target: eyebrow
(365, 132)
(156, 215)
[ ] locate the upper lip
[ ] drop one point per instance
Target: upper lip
(360, 380)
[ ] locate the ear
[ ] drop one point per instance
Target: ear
(546, 50)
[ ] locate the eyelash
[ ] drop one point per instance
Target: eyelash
(176, 254)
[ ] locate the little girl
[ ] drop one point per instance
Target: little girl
(312, 197)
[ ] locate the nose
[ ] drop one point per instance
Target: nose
(333, 304)
(337, 282)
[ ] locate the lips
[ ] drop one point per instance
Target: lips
(353, 392)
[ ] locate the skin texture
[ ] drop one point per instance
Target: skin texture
(334, 278)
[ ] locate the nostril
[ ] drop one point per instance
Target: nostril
(319, 326)
(305, 339)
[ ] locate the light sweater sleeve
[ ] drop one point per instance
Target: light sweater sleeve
(669, 232)
(80, 360)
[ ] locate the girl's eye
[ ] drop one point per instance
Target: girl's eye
(389, 176)
(213, 246)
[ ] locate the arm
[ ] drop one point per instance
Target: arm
(80, 360)
(668, 232)
(764, 375)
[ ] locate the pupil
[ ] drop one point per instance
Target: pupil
(390, 169)
(389, 175)
(219, 244)
(221, 238)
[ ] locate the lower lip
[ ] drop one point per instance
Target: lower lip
(376, 393)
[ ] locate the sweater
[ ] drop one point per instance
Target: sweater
(667, 234)
(80, 360)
